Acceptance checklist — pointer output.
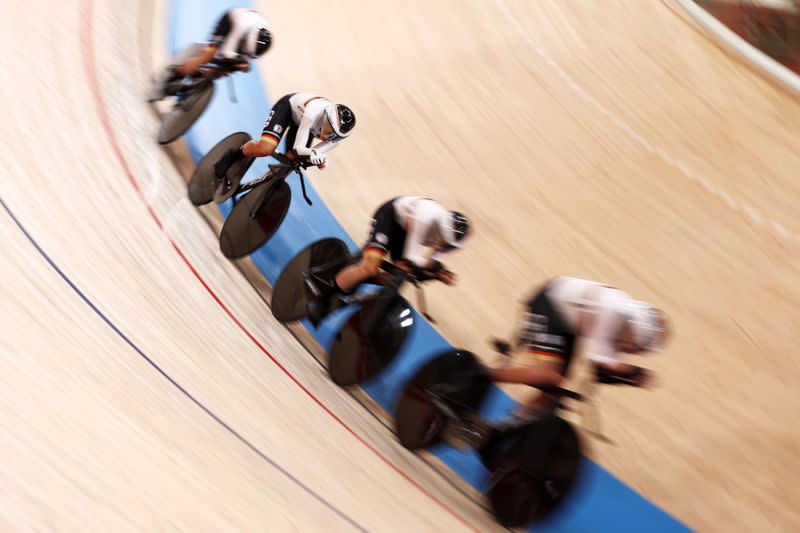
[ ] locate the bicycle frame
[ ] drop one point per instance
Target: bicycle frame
(208, 73)
(276, 173)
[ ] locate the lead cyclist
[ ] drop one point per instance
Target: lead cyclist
(239, 36)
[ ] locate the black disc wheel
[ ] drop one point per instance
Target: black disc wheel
(357, 356)
(289, 296)
(522, 495)
(255, 218)
(184, 113)
(419, 422)
(204, 184)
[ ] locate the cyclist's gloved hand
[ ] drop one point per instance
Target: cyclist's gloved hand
(448, 277)
(424, 274)
(317, 158)
(231, 63)
(440, 272)
(634, 376)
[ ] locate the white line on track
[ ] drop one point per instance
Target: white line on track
(745, 209)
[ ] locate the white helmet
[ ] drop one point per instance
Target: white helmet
(455, 228)
(645, 326)
(341, 118)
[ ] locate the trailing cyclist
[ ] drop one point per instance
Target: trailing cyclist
(609, 322)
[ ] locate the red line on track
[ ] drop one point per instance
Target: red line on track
(87, 47)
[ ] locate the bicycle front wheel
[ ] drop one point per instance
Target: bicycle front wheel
(526, 494)
(357, 356)
(256, 218)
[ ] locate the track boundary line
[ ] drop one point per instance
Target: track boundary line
(172, 380)
(102, 113)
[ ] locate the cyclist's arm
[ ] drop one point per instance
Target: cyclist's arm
(191, 66)
(413, 247)
(599, 333)
(601, 350)
(326, 146)
(603, 354)
(229, 43)
(303, 135)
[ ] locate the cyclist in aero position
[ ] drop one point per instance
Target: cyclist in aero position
(610, 323)
(305, 117)
(565, 308)
(402, 228)
(239, 36)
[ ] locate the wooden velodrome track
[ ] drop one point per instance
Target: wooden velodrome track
(609, 140)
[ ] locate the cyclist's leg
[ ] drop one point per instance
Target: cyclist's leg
(365, 269)
(544, 373)
(169, 81)
(382, 239)
(549, 339)
(329, 297)
(191, 65)
(221, 30)
(278, 123)
(278, 120)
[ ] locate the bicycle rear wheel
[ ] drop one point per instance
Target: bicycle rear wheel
(527, 494)
(418, 421)
(289, 298)
(242, 233)
(184, 113)
(356, 357)
(204, 183)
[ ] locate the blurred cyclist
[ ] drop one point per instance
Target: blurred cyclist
(239, 36)
(609, 321)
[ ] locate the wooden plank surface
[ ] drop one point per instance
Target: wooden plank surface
(94, 436)
(610, 140)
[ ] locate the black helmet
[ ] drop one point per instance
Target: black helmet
(256, 42)
(263, 41)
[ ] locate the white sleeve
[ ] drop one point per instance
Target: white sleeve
(600, 351)
(417, 229)
(326, 146)
(303, 134)
(601, 339)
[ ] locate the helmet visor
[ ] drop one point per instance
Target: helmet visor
(326, 132)
(341, 119)
(646, 329)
